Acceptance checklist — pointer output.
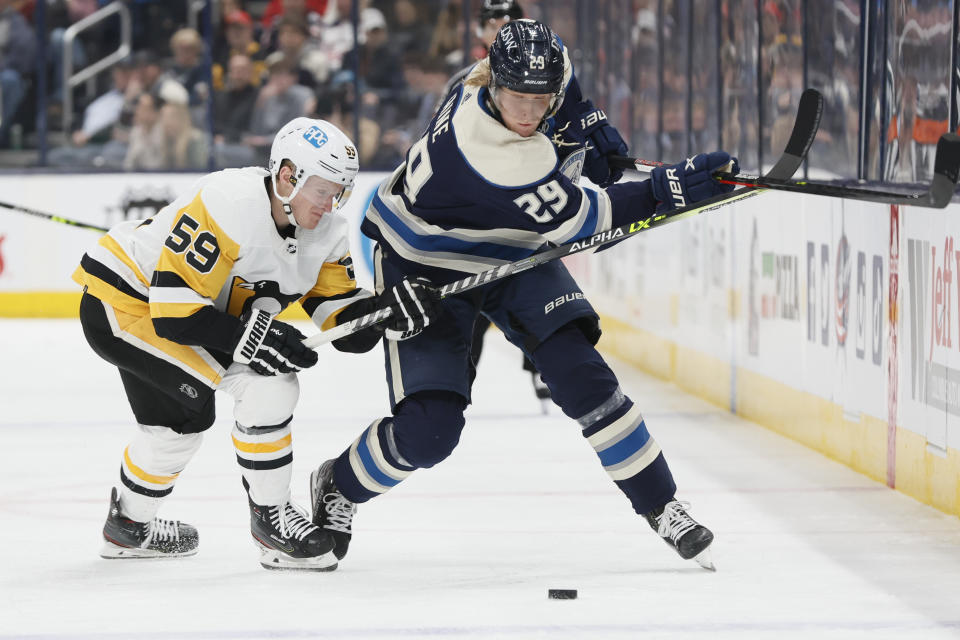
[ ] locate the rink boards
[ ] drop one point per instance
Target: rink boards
(833, 322)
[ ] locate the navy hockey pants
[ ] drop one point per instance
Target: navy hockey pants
(543, 312)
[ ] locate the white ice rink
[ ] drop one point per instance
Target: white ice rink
(805, 547)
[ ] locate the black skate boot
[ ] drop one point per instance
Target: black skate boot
(690, 538)
(125, 538)
(288, 540)
(331, 510)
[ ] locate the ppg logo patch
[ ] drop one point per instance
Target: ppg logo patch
(315, 136)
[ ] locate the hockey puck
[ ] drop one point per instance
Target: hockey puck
(562, 594)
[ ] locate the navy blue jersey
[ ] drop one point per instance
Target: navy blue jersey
(473, 195)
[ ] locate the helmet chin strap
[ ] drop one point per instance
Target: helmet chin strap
(285, 202)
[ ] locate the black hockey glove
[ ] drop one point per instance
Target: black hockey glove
(271, 347)
(415, 304)
(601, 140)
(690, 181)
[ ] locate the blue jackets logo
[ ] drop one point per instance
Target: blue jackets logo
(315, 136)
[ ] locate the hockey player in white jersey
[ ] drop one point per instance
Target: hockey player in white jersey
(483, 187)
(184, 304)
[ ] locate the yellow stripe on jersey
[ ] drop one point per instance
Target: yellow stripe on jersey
(140, 332)
(263, 447)
(143, 475)
(199, 254)
(111, 245)
(335, 278)
(110, 294)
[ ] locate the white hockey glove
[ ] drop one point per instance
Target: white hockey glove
(271, 347)
(415, 304)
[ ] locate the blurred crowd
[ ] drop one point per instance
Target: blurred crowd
(271, 61)
(673, 76)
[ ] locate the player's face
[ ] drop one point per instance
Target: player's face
(522, 112)
(315, 199)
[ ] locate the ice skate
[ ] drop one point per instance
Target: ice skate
(690, 538)
(288, 540)
(125, 538)
(331, 510)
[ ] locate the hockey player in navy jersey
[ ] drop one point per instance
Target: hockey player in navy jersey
(184, 304)
(484, 186)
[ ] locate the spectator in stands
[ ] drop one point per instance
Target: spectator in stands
(278, 8)
(104, 112)
(340, 111)
(150, 75)
(233, 105)
(162, 136)
(409, 32)
(98, 142)
(337, 37)
(154, 21)
(17, 47)
(426, 79)
(187, 67)
(238, 26)
(295, 46)
(302, 10)
(233, 113)
(379, 64)
(280, 100)
(184, 145)
(221, 49)
(145, 150)
(447, 40)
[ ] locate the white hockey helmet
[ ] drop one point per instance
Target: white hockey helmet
(316, 148)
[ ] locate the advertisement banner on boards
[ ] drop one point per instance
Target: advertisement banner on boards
(929, 356)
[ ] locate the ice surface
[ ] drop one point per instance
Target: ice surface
(805, 547)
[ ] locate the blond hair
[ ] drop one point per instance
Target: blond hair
(480, 75)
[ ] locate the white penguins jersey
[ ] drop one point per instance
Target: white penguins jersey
(217, 247)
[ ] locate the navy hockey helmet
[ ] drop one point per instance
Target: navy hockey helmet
(494, 9)
(527, 57)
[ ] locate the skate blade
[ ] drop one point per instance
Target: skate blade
(545, 406)
(705, 560)
(111, 551)
(274, 559)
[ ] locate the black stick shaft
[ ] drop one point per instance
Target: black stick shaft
(804, 130)
(52, 217)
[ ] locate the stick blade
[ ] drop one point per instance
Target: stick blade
(805, 127)
(946, 170)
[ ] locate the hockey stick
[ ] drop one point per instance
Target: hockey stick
(945, 174)
(50, 216)
(804, 130)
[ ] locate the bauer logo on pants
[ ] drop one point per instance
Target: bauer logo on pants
(553, 304)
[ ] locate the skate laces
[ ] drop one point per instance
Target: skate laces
(159, 530)
(290, 521)
(674, 522)
(340, 512)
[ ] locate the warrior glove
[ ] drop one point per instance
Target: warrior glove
(601, 140)
(271, 347)
(690, 181)
(415, 304)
